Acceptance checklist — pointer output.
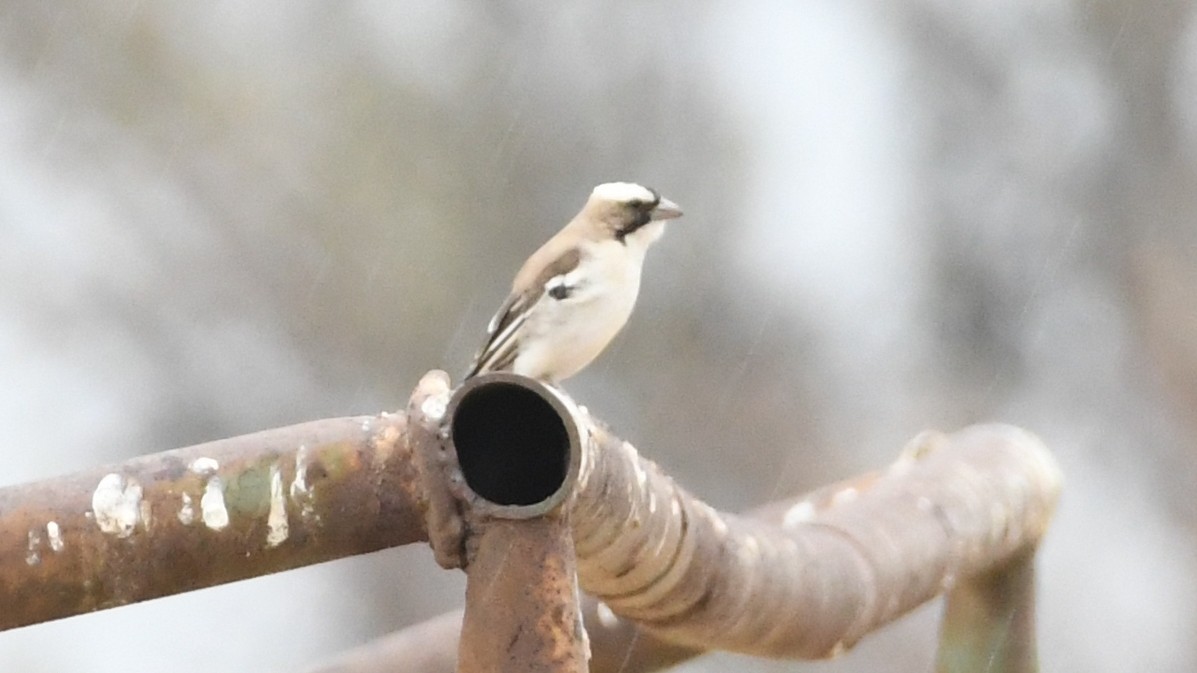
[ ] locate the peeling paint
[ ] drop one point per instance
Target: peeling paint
(216, 515)
(641, 475)
(801, 512)
(32, 555)
(276, 521)
(606, 616)
(54, 535)
(301, 493)
(116, 504)
(718, 523)
(205, 466)
(750, 552)
(844, 497)
(146, 518)
(434, 407)
(186, 511)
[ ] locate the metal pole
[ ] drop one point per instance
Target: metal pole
(205, 515)
(518, 457)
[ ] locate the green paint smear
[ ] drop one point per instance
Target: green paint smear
(248, 492)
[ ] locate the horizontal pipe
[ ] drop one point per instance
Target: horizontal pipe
(802, 578)
(810, 577)
(959, 513)
(205, 515)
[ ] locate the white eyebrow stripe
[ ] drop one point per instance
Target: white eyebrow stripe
(623, 192)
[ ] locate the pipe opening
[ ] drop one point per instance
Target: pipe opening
(512, 445)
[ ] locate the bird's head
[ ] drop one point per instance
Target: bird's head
(629, 212)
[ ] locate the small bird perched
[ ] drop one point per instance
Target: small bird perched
(575, 293)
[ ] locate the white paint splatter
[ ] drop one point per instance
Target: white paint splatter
(216, 516)
(844, 497)
(799, 513)
(32, 555)
(276, 521)
(186, 511)
(434, 407)
(54, 534)
(116, 504)
(718, 525)
(605, 616)
(641, 475)
(205, 466)
(301, 493)
(146, 519)
(750, 552)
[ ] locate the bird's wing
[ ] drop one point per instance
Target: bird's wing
(502, 340)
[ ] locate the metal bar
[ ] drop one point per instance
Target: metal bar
(518, 462)
(801, 578)
(522, 600)
(427, 647)
(947, 513)
(616, 646)
(808, 578)
(205, 515)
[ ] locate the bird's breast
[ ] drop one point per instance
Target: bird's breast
(567, 334)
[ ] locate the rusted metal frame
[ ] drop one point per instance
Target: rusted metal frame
(847, 559)
(616, 646)
(521, 599)
(960, 512)
(515, 543)
(807, 579)
(205, 515)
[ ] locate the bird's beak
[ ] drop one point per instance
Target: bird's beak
(665, 210)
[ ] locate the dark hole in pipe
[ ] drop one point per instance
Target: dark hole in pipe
(512, 445)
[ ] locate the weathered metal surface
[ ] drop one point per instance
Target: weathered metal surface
(516, 446)
(616, 646)
(959, 513)
(437, 467)
(808, 578)
(801, 578)
(521, 600)
(205, 515)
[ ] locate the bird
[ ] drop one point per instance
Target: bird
(577, 291)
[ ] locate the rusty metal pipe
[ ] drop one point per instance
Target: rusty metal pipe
(810, 579)
(800, 578)
(960, 513)
(205, 515)
(519, 455)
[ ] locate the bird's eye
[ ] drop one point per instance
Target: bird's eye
(636, 203)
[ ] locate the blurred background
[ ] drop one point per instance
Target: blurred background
(217, 218)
